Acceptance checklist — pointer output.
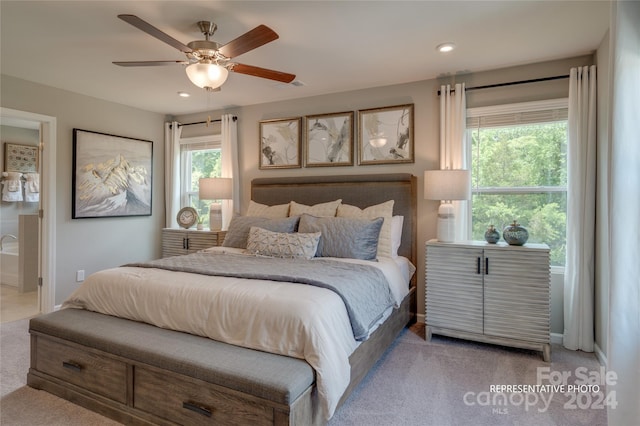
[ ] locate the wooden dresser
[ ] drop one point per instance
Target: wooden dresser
(493, 293)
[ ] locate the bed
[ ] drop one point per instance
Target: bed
(246, 367)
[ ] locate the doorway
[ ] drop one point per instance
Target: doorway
(41, 216)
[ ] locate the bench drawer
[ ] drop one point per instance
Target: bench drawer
(191, 401)
(91, 371)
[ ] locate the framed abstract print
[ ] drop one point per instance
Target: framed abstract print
(280, 143)
(385, 135)
(329, 139)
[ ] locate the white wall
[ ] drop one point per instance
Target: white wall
(624, 288)
(92, 244)
(423, 94)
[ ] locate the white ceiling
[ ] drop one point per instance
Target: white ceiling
(330, 46)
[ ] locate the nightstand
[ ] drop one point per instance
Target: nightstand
(176, 242)
(492, 293)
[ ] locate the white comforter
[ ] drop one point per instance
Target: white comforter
(300, 321)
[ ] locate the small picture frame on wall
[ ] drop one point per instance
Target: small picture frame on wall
(329, 139)
(280, 143)
(112, 175)
(385, 135)
(20, 158)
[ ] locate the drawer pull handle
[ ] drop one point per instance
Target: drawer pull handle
(72, 366)
(197, 408)
(486, 266)
(478, 265)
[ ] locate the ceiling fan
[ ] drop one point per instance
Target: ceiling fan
(208, 62)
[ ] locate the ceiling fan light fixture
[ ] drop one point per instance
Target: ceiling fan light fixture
(207, 76)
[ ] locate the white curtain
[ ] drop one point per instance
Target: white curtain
(229, 167)
(453, 146)
(172, 132)
(581, 195)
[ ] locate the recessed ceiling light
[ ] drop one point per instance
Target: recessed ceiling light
(183, 94)
(445, 47)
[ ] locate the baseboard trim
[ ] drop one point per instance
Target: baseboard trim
(602, 358)
(557, 338)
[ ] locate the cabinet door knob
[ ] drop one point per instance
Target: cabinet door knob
(486, 266)
(478, 264)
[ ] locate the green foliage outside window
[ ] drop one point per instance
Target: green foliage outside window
(205, 163)
(520, 173)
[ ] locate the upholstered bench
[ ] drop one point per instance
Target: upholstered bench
(136, 373)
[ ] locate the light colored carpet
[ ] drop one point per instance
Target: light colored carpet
(415, 383)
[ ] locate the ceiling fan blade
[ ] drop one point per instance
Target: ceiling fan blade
(149, 63)
(154, 32)
(257, 37)
(263, 73)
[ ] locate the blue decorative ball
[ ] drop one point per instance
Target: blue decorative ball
(515, 234)
(492, 236)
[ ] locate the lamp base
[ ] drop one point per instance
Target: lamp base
(215, 217)
(446, 223)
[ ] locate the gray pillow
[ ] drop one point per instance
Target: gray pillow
(239, 227)
(344, 237)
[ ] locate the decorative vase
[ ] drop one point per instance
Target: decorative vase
(515, 234)
(200, 227)
(492, 235)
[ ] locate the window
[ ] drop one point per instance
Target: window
(199, 158)
(519, 170)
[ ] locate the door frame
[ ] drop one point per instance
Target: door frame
(47, 201)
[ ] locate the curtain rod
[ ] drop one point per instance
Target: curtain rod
(234, 118)
(512, 83)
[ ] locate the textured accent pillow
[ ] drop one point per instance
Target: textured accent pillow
(240, 226)
(320, 210)
(262, 210)
(344, 237)
(383, 210)
(279, 244)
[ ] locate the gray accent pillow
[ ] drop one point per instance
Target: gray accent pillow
(262, 242)
(344, 237)
(239, 227)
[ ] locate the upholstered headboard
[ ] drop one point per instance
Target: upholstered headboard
(358, 190)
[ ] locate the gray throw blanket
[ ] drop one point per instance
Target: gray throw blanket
(363, 288)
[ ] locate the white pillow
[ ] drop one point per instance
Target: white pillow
(318, 210)
(262, 210)
(396, 234)
(279, 244)
(383, 210)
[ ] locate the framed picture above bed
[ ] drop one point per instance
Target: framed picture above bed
(280, 143)
(112, 175)
(329, 139)
(385, 135)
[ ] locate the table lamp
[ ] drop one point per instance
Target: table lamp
(447, 185)
(215, 189)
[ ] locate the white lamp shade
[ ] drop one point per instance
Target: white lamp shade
(207, 76)
(447, 185)
(215, 189)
